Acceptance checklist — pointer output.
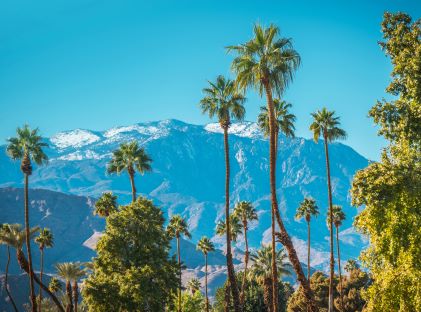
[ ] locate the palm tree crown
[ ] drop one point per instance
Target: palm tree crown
(222, 101)
(351, 265)
(245, 212)
(338, 216)
(128, 157)
(205, 245)
(325, 123)
(54, 285)
(235, 227)
(14, 236)
(178, 226)
(106, 204)
(307, 209)
(194, 285)
(45, 239)
(284, 119)
(265, 60)
(262, 263)
(70, 271)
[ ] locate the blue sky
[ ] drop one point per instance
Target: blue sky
(98, 64)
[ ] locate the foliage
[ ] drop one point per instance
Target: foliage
(45, 239)
(192, 302)
(284, 119)
(54, 285)
(133, 271)
(129, 156)
(106, 204)
(177, 227)
(307, 209)
(390, 189)
(235, 227)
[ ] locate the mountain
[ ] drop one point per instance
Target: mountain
(188, 178)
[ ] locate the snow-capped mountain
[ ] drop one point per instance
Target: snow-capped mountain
(188, 177)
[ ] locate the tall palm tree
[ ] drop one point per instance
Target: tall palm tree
(71, 272)
(130, 157)
(338, 218)
(222, 101)
(4, 232)
(267, 63)
(326, 124)
(246, 213)
(193, 285)
(16, 237)
(206, 246)
(106, 204)
(28, 147)
(262, 270)
(306, 210)
(284, 123)
(351, 265)
(176, 228)
(44, 240)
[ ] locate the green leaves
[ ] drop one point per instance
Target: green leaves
(326, 124)
(129, 156)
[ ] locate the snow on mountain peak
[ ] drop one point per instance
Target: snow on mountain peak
(146, 130)
(242, 129)
(74, 138)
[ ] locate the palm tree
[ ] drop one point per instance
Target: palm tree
(307, 209)
(176, 228)
(262, 270)
(44, 240)
(4, 232)
(267, 63)
(27, 146)
(206, 246)
(106, 204)
(193, 285)
(284, 122)
(71, 272)
(129, 156)
(222, 100)
(16, 237)
(351, 265)
(338, 218)
(246, 213)
(326, 124)
(54, 285)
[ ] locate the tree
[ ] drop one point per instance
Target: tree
(130, 157)
(176, 228)
(44, 240)
(16, 237)
(54, 285)
(306, 210)
(267, 63)
(262, 271)
(206, 246)
(192, 302)
(5, 230)
(106, 204)
(28, 147)
(351, 265)
(246, 213)
(390, 190)
(193, 285)
(132, 270)
(224, 102)
(71, 272)
(353, 289)
(326, 124)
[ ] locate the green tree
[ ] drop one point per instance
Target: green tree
(306, 210)
(390, 190)
(193, 285)
(224, 102)
(133, 270)
(262, 271)
(5, 230)
(44, 240)
(235, 227)
(206, 246)
(246, 213)
(192, 302)
(28, 147)
(327, 125)
(130, 157)
(71, 272)
(54, 285)
(351, 265)
(353, 288)
(176, 228)
(106, 204)
(267, 63)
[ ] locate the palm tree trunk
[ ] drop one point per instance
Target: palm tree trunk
(40, 278)
(308, 258)
(332, 260)
(283, 234)
(267, 294)
(246, 261)
(131, 175)
(274, 268)
(69, 307)
(227, 297)
(6, 285)
(230, 265)
(23, 263)
(339, 269)
(28, 246)
(206, 283)
(179, 272)
(75, 295)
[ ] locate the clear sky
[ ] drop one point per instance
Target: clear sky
(95, 64)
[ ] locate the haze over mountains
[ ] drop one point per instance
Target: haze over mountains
(187, 178)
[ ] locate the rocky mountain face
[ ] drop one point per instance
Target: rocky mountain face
(188, 179)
